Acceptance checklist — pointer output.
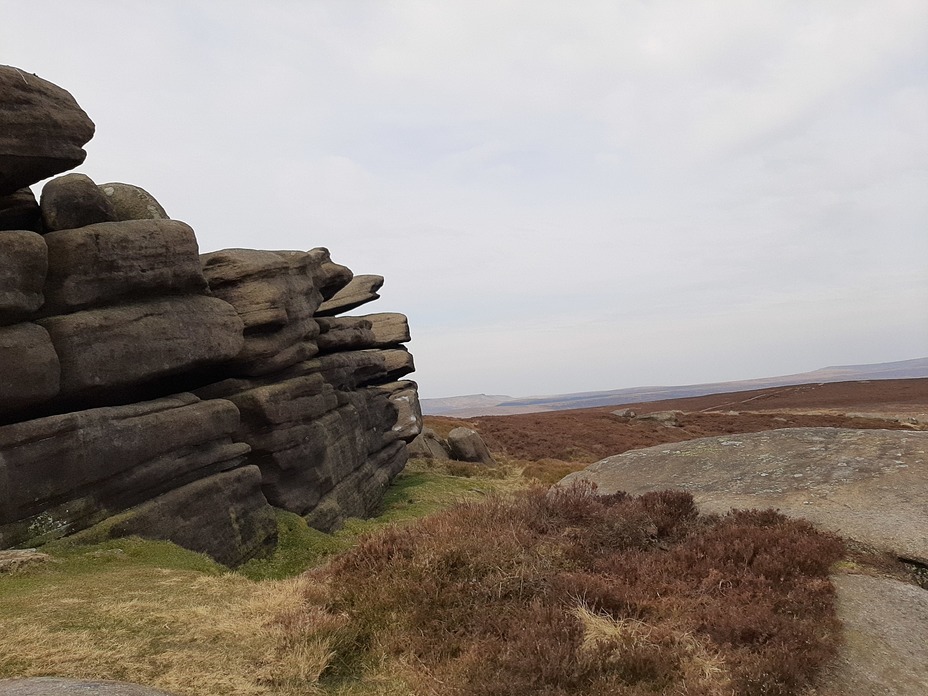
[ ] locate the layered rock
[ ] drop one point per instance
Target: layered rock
(64, 473)
(328, 432)
(147, 390)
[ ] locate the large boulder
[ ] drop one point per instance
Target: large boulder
(23, 268)
(428, 445)
(466, 445)
(64, 473)
(42, 130)
(20, 211)
(73, 200)
(132, 202)
(30, 372)
(129, 345)
(865, 484)
(111, 262)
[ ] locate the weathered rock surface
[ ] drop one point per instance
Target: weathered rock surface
(885, 648)
(73, 200)
(865, 484)
(370, 331)
(669, 418)
(64, 473)
(42, 130)
(23, 268)
(110, 320)
(13, 561)
(112, 262)
(30, 372)
(358, 493)
(225, 515)
(466, 445)
(130, 344)
(429, 446)
(276, 296)
(53, 686)
(332, 276)
(361, 290)
(20, 211)
(359, 368)
(132, 202)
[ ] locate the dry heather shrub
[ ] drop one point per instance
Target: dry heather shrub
(566, 592)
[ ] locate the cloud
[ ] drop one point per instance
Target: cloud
(549, 188)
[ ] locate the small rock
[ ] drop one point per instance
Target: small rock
(466, 445)
(669, 418)
(72, 201)
(132, 202)
(15, 560)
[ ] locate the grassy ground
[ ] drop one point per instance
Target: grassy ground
(153, 613)
(465, 583)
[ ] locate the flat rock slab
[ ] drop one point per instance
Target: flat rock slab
(868, 485)
(53, 686)
(885, 650)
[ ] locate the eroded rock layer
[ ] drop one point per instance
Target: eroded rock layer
(145, 389)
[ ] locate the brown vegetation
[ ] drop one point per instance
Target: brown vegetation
(566, 592)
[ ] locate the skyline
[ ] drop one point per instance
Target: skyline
(561, 199)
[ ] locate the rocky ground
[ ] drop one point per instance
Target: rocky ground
(868, 485)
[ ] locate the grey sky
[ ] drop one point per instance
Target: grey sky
(562, 196)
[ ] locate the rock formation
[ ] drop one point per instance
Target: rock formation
(146, 389)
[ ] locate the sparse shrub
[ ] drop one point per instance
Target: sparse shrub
(565, 592)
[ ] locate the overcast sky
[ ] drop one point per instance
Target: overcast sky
(562, 196)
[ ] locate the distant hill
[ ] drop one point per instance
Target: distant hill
(490, 405)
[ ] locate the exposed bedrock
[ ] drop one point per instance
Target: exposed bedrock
(64, 473)
(224, 515)
(147, 389)
(116, 347)
(42, 130)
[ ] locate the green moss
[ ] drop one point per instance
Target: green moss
(298, 547)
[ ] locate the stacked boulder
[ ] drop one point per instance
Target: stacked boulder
(145, 389)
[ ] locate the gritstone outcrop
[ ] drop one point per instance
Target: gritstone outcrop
(146, 389)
